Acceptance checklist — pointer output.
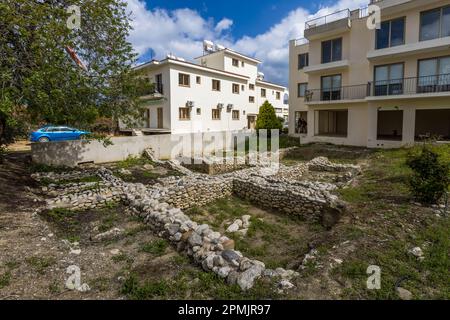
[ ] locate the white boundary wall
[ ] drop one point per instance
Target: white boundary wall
(167, 146)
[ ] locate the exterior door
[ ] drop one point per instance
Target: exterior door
(147, 118)
(160, 118)
(251, 122)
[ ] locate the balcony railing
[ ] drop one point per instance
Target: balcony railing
(300, 42)
(157, 88)
(340, 93)
(340, 15)
(407, 86)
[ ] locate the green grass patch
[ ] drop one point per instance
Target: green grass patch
(5, 279)
(156, 247)
(41, 264)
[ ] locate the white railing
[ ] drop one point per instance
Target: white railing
(336, 16)
(300, 42)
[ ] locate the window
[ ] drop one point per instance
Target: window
(251, 99)
(183, 80)
(332, 50)
(159, 84)
(242, 87)
(235, 88)
(434, 75)
(199, 80)
(235, 115)
(332, 123)
(216, 114)
(184, 113)
(263, 93)
(216, 85)
(303, 60)
(435, 24)
(331, 88)
(242, 64)
(199, 111)
(235, 63)
(301, 89)
(251, 86)
(389, 79)
(391, 34)
(278, 96)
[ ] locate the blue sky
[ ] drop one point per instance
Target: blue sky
(260, 29)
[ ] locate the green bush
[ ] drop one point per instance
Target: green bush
(267, 119)
(431, 175)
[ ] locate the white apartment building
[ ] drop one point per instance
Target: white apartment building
(221, 91)
(385, 87)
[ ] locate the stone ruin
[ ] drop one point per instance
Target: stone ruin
(161, 207)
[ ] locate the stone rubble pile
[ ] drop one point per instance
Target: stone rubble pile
(53, 176)
(323, 164)
(240, 226)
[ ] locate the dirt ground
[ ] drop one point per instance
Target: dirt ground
(382, 224)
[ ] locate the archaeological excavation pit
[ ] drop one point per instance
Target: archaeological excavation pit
(276, 198)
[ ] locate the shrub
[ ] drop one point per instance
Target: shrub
(267, 119)
(431, 175)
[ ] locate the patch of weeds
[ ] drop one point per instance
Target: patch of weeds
(122, 257)
(101, 284)
(194, 211)
(5, 279)
(136, 230)
(12, 264)
(108, 222)
(54, 287)
(35, 167)
(180, 260)
(257, 224)
(156, 247)
(150, 175)
(147, 290)
(132, 162)
(40, 264)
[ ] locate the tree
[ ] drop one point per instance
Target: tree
(267, 118)
(431, 175)
(38, 76)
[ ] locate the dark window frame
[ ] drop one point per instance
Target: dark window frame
(332, 58)
(388, 85)
(303, 63)
(390, 33)
(441, 22)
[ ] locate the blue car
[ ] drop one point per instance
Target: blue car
(57, 133)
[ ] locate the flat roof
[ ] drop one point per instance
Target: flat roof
(191, 65)
(270, 84)
(232, 52)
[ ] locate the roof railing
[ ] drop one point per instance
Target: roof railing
(300, 42)
(336, 16)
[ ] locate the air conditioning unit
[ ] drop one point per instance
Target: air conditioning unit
(190, 104)
(220, 106)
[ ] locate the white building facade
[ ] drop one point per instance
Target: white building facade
(221, 91)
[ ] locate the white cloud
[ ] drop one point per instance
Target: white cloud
(223, 25)
(182, 31)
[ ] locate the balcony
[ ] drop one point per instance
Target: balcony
(437, 85)
(155, 93)
(410, 49)
(406, 88)
(338, 95)
(328, 67)
(328, 25)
